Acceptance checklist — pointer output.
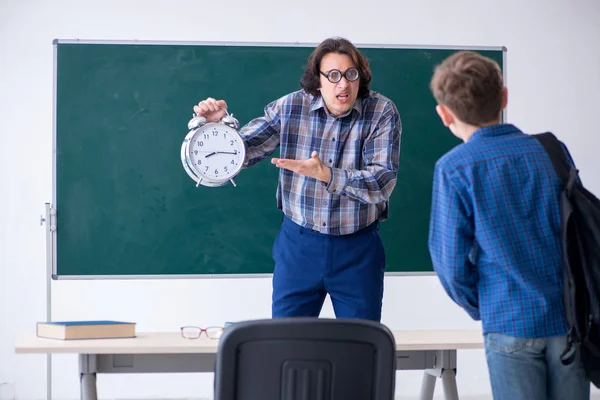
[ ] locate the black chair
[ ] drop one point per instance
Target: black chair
(306, 359)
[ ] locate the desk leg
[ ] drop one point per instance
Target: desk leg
(449, 384)
(87, 376)
(427, 386)
(88, 387)
(445, 368)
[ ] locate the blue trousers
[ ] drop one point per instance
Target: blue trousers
(309, 265)
(530, 369)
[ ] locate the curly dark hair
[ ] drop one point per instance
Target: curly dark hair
(311, 81)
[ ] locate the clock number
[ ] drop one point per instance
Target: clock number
(200, 143)
(206, 168)
(233, 161)
(225, 168)
(199, 162)
(216, 172)
(215, 133)
(231, 142)
(205, 136)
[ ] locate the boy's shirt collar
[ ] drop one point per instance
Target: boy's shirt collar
(494, 130)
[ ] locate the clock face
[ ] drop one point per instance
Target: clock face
(216, 152)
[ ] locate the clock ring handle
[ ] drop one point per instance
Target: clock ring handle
(229, 120)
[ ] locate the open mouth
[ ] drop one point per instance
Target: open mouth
(342, 98)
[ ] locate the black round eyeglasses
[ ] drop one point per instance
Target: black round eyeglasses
(335, 75)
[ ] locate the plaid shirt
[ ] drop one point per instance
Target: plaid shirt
(362, 148)
(495, 232)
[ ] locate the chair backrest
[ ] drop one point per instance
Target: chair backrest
(305, 359)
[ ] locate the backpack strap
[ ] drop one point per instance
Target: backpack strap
(569, 354)
(568, 176)
(557, 155)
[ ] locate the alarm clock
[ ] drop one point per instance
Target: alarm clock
(213, 153)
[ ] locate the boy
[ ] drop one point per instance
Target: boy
(494, 235)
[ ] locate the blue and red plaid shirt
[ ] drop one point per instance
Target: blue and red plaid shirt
(362, 148)
(495, 232)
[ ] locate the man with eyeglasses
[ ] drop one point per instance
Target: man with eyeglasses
(339, 154)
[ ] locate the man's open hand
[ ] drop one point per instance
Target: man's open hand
(313, 167)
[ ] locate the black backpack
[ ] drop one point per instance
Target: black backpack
(580, 226)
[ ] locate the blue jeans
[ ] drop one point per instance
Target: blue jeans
(530, 369)
(309, 265)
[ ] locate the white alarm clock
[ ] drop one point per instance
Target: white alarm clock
(213, 153)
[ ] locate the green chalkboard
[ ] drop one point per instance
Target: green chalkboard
(125, 206)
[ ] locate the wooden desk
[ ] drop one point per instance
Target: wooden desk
(433, 351)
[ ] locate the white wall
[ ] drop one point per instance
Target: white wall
(553, 80)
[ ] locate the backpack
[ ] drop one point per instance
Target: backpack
(580, 240)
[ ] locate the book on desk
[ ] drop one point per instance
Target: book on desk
(74, 330)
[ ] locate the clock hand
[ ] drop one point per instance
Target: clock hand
(220, 152)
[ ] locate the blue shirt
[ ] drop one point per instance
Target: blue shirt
(495, 232)
(362, 148)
